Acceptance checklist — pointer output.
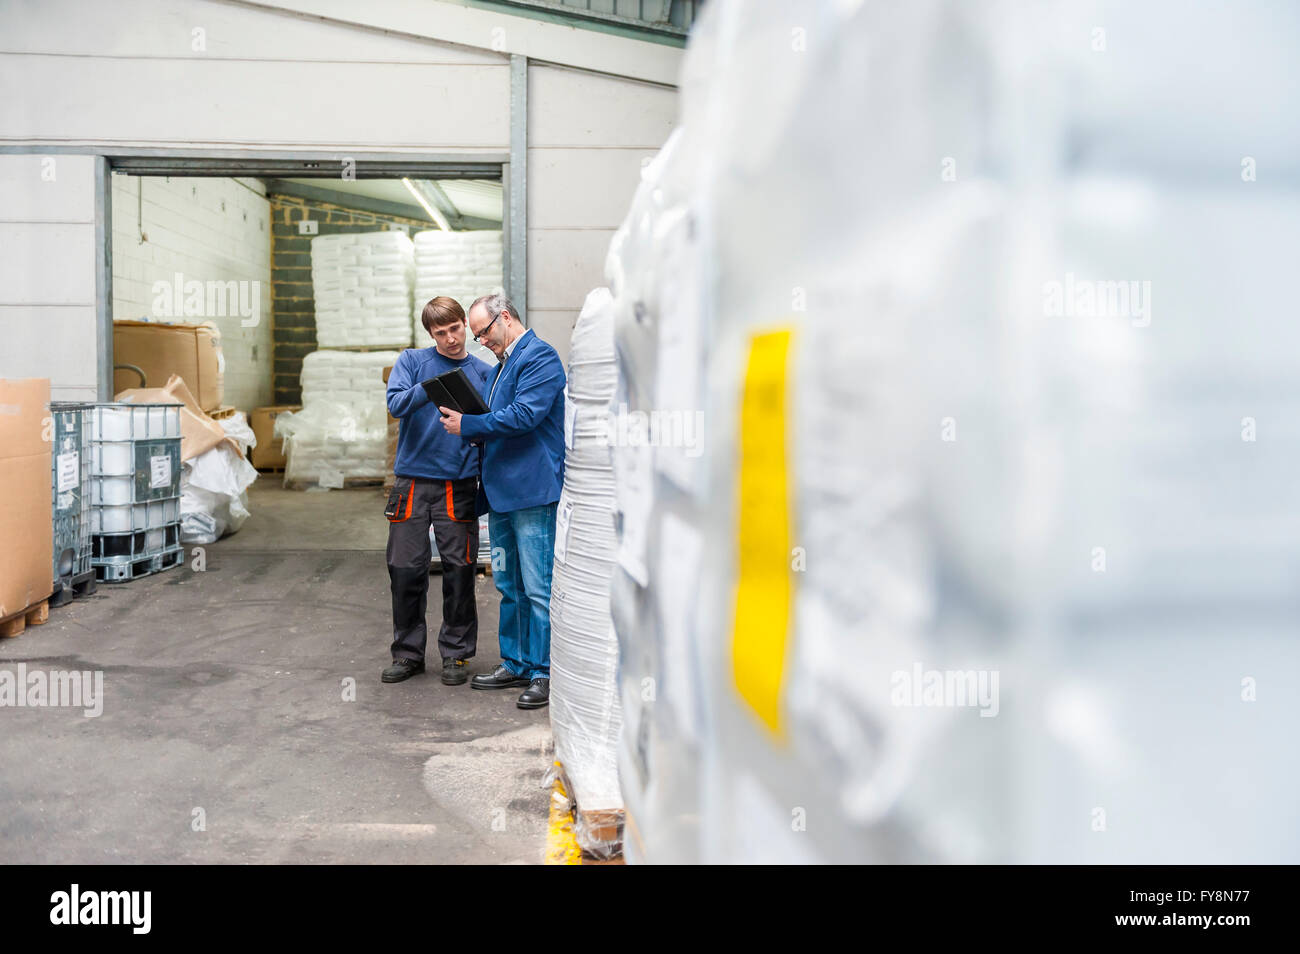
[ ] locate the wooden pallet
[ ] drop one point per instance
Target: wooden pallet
(34, 615)
(223, 411)
(605, 825)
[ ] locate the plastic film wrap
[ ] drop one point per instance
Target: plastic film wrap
(1018, 408)
(585, 710)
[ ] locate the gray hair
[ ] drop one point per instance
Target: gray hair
(495, 304)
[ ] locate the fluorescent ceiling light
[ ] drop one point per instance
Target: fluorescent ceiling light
(432, 212)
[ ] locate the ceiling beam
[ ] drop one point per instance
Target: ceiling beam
(439, 199)
(365, 203)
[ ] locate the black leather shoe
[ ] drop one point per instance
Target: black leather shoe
(537, 694)
(402, 669)
(453, 672)
(500, 678)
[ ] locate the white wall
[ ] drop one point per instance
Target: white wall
(588, 135)
(205, 230)
(47, 273)
(135, 74)
(128, 73)
(494, 28)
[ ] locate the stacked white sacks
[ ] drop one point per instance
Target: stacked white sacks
(460, 265)
(585, 712)
(361, 283)
(342, 430)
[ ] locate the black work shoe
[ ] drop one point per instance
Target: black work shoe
(537, 694)
(500, 678)
(402, 669)
(453, 672)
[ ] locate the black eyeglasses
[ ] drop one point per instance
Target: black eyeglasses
(489, 326)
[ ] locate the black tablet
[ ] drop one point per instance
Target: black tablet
(454, 390)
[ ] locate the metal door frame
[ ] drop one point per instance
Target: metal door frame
(277, 163)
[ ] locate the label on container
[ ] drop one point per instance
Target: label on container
(570, 419)
(160, 471)
(764, 581)
(68, 471)
(562, 531)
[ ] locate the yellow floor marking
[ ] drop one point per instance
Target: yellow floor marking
(561, 844)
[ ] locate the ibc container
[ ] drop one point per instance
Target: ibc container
(135, 475)
(70, 480)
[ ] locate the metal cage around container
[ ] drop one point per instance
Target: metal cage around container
(70, 493)
(135, 480)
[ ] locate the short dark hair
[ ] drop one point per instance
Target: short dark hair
(441, 312)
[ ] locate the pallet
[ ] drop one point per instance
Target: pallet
(224, 411)
(34, 615)
(83, 584)
(349, 483)
(145, 566)
(606, 825)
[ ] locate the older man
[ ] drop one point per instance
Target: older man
(523, 471)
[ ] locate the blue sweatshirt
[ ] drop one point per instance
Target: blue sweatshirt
(424, 448)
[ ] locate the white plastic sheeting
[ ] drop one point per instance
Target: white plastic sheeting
(662, 343)
(214, 485)
(1039, 438)
(585, 711)
(342, 429)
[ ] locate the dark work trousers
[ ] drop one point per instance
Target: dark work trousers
(448, 505)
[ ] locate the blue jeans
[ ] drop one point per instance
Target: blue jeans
(523, 552)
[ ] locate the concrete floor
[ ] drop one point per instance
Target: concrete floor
(223, 691)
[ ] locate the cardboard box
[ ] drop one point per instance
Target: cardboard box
(191, 351)
(269, 452)
(199, 433)
(26, 524)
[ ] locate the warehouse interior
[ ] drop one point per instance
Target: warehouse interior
(241, 229)
(920, 413)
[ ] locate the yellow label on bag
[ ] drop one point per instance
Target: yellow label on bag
(764, 581)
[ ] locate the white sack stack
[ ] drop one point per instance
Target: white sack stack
(361, 283)
(461, 265)
(585, 713)
(342, 429)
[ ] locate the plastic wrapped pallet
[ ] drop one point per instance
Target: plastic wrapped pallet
(655, 431)
(460, 265)
(585, 711)
(342, 430)
(982, 467)
(361, 284)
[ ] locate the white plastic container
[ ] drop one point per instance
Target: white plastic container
(128, 517)
(124, 422)
(113, 459)
(111, 491)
